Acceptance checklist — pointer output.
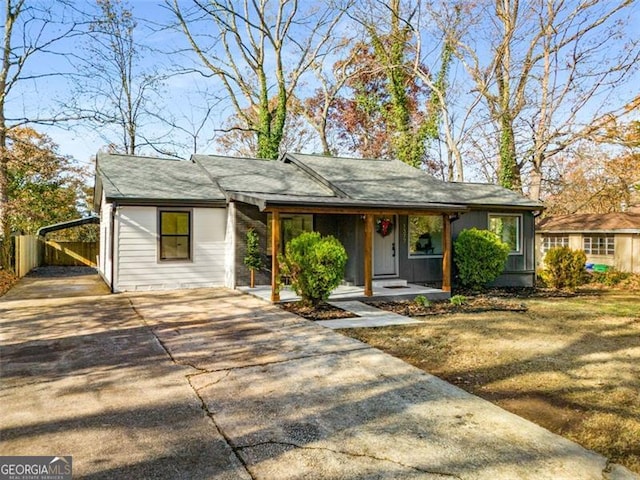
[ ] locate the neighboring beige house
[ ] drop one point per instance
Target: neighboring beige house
(610, 238)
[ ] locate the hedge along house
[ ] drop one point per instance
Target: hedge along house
(180, 224)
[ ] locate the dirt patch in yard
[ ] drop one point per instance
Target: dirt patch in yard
(481, 303)
(570, 364)
(324, 311)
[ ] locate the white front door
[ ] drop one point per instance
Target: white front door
(384, 246)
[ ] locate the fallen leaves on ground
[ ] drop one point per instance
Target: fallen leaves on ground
(7, 280)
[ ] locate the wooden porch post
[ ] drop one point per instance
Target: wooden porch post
(446, 253)
(368, 254)
(275, 248)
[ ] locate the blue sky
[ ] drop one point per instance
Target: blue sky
(180, 95)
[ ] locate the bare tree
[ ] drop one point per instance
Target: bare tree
(115, 89)
(258, 50)
(451, 108)
(194, 121)
(32, 30)
(316, 109)
(549, 77)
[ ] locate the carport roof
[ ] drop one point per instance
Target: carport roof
(42, 231)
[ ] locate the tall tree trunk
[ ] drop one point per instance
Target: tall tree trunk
(5, 229)
(508, 170)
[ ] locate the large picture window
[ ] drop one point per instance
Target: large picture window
(175, 235)
(599, 245)
(508, 228)
(425, 235)
(290, 227)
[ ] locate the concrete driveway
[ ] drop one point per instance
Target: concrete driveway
(216, 384)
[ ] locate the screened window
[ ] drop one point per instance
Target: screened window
(507, 227)
(553, 241)
(425, 235)
(599, 245)
(175, 235)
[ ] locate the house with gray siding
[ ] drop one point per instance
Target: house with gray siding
(169, 224)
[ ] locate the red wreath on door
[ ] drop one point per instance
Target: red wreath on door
(384, 226)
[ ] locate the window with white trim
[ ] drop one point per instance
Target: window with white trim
(425, 235)
(599, 245)
(553, 241)
(508, 228)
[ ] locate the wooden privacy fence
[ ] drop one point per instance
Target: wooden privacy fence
(28, 253)
(70, 253)
(31, 251)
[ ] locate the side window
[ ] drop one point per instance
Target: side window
(175, 235)
(552, 241)
(508, 228)
(599, 245)
(425, 235)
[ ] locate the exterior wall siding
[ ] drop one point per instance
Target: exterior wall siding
(104, 252)
(247, 217)
(349, 230)
(520, 268)
(420, 270)
(138, 265)
(635, 253)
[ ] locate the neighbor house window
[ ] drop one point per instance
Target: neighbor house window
(290, 227)
(553, 241)
(175, 235)
(507, 227)
(599, 245)
(425, 235)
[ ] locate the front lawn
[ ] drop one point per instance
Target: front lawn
(571, 365)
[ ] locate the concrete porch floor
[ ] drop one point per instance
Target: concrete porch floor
(348, 292)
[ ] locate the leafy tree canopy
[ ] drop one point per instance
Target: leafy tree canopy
(43, 186)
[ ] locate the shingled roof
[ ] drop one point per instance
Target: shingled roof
(296, 179)
(591, 222)
(381, 180)
(138, 178)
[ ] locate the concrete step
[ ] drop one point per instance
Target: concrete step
(389, 283)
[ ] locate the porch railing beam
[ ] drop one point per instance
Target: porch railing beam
(368, 255)
(446, 253)
(275, 248)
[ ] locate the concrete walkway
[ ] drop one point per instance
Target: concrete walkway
(216, 384)
(367, 316)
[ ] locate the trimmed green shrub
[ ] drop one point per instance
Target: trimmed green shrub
(253, 257)
(422, 301)
(480, 256)
(458, 300)
(315, 265)
(610, 278)
(564, 268)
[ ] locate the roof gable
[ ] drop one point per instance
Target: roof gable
(260, 176)
(149, 178)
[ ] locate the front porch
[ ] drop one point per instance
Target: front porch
(349, 292)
